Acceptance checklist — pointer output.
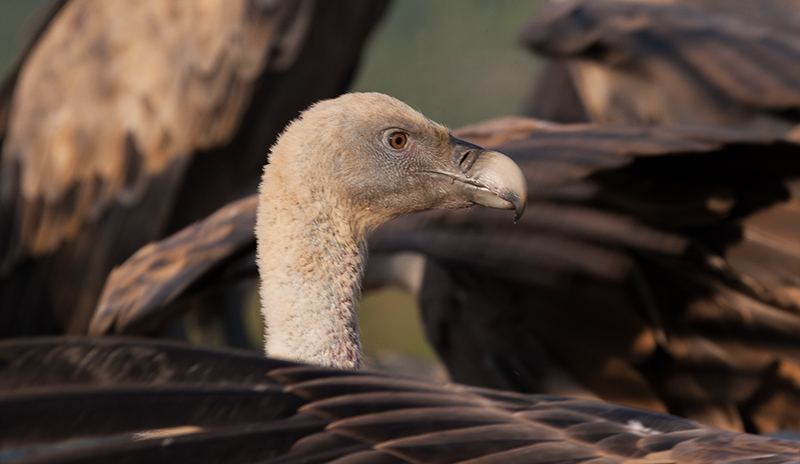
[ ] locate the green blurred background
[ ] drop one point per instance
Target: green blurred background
(457, 61)
(14, 15)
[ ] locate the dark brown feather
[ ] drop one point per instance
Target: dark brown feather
(166, 273)
(710, 63)
(226, 418)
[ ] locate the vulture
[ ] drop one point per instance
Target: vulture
(724, 63)
(338, 171)
(125, 121)
(343, 168)
(656, 267)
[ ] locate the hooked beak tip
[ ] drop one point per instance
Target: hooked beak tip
(504, 183)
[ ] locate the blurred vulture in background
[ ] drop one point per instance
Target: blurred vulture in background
(124, 121)
(732, 63)
(657, 267)
(110, 400)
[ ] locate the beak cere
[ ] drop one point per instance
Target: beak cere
(494, 179)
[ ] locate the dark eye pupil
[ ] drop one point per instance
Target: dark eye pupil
(398, 140)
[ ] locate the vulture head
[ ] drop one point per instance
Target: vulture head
(342, 168)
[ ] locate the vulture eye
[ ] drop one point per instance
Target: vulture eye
(398, 140)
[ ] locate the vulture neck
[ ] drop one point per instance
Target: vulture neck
(311, 260)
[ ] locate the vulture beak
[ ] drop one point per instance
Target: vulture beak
(494, 179)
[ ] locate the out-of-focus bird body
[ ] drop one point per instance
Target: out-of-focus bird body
(129, 120)
(707, 63)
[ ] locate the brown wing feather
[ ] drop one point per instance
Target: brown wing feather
(242, 408)
(156, 275)
(85, 136)
(706, 63)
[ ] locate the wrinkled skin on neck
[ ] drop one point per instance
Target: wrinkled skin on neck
(311, 268)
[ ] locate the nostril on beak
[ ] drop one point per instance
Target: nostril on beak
(467, 160)
(465, 154)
